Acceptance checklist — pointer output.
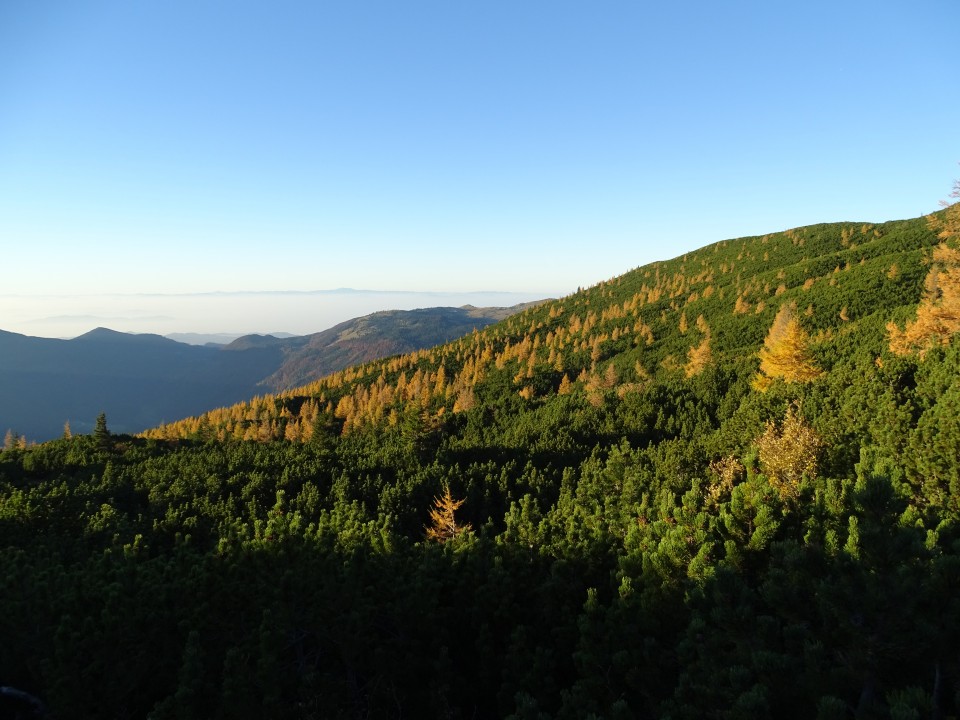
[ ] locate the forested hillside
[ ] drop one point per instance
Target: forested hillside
(143, 380)
(722, 486)
(374, 336)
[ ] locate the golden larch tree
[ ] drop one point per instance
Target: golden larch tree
(947, 224)
(443, 523)
(938, 314)
(785, 353)
(699, 356)
(465, 400)
(788, 452)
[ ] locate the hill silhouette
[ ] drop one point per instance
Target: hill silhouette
(137, 379)
(140, 380)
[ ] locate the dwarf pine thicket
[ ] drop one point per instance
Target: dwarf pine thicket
(723, 486)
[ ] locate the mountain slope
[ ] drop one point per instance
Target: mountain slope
(391, 332)
(706, 488)
(142, 380)
(844, 279)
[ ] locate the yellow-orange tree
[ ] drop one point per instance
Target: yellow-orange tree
(947, 223)
(785, 353)
(443, 525)
(788, 452)
(699, 356)
(938, 314)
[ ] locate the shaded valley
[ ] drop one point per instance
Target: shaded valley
(143, 380)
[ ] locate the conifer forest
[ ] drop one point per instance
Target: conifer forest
(723, 486)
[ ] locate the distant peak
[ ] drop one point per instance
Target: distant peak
(246, 342)
(102, 334)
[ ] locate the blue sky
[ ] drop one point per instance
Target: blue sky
(177, 148)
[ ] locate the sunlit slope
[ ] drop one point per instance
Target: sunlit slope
(374, 336)
(698, 315)
(723, 485)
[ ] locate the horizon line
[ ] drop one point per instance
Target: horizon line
(332, 291)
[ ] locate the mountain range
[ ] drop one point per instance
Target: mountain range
(141, 380)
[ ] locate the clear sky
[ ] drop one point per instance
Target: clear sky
(179, 147)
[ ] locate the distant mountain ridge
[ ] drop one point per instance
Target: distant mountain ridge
(191, 338)
(133, 378)
(390, 332)
(141, 380)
